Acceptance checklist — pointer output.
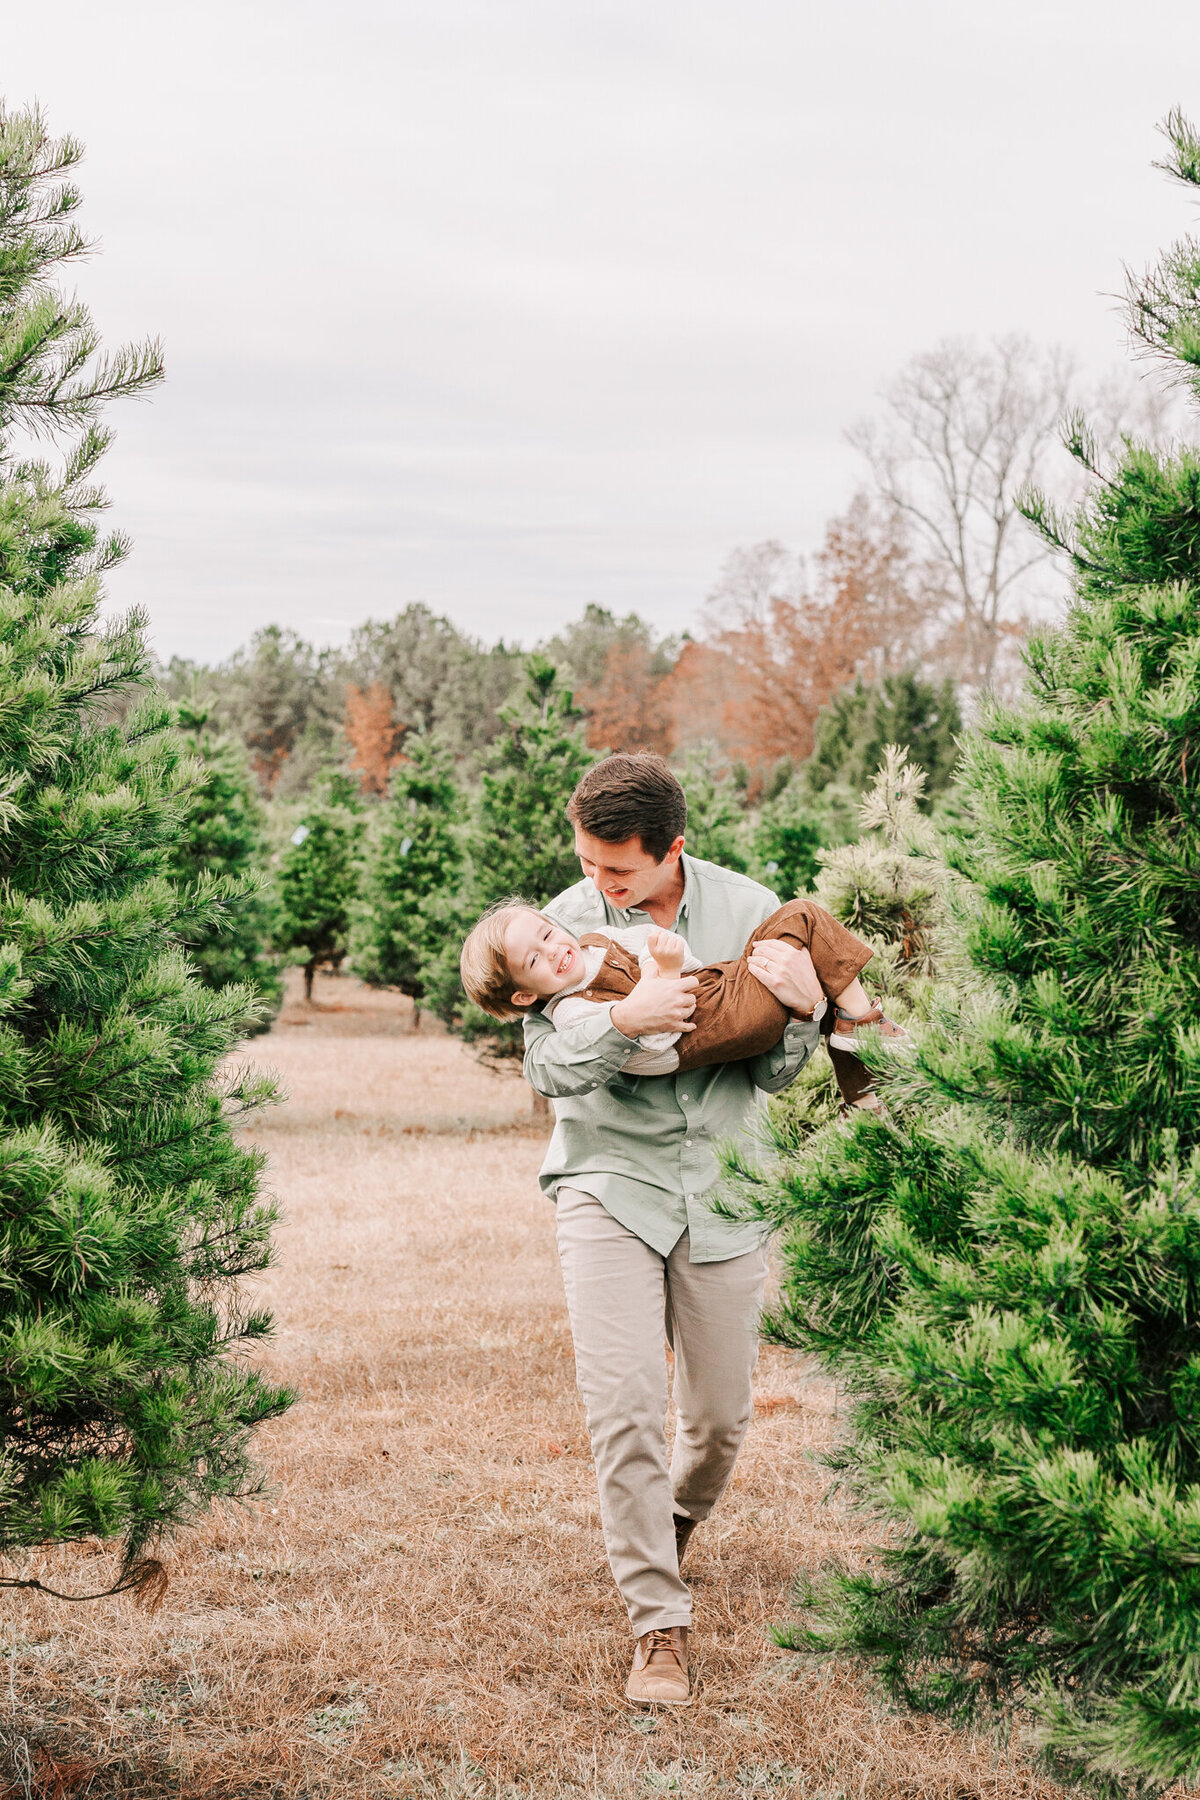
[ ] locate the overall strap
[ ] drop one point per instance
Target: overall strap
(619, 971)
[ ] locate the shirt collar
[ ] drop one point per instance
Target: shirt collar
(686, 901)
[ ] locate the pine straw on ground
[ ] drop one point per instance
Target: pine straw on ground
(422, 1607)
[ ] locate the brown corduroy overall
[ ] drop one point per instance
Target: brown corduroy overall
(735, 1016)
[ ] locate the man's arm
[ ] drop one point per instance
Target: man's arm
(577, 1060)
(788, 974)
(588, 1054)
(778, 1067)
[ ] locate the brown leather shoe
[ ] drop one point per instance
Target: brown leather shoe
(848, 1032)
(659, 1676)
(867, 1101)
(684, 1528)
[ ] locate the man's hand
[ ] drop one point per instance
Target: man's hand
(787, 973)
(656, 1005)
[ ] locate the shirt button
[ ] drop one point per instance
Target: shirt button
(683, 1096)
(691, 1196)
(688, 1142)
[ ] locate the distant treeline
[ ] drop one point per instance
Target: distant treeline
(778, 641)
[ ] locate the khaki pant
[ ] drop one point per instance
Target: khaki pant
(621, 1295)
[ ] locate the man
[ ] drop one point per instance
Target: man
(630, 1166)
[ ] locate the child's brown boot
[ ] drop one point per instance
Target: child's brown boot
(868, 1101)
(849, 1033)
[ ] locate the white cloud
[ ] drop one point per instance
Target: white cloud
(512, 306)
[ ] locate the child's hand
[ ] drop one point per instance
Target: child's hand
(668, 952)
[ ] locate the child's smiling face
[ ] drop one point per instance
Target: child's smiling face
(543, 959)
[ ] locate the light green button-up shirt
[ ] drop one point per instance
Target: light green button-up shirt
(644, 1146)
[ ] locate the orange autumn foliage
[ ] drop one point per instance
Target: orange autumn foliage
(704, 698)
(866, 565)
(788, 661)
(628, 710)
(771, 660)
(779, 643)
(372, 734)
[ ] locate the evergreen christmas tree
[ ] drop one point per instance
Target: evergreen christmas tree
(853, 730)
(792, 828)
(816, 811)
(519, 840)
(889, 888)
(785, 847)
(224, 830)
(414, 866)
(1004, 1271)
(318, 880)
(716, 820)
(128, 1212)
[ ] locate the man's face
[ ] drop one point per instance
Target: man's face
(625, 874)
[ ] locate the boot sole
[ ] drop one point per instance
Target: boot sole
(854, 1045)
(641, 1700)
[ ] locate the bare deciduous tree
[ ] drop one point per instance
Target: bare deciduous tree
(779, 643)
(965, 428)
(1122, 405)
(751, 578)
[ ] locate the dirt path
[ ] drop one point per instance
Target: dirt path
(423, 1607)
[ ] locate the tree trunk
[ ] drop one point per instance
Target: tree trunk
(310, 969)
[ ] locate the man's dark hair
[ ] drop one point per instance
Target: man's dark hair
(630, 796)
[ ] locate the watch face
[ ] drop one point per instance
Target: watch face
(818, 1011)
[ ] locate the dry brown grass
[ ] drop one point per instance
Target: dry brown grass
(424, 1607)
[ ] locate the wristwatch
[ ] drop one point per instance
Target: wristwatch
(815, 1016)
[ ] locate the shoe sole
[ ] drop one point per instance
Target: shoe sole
(639, 1700)
(853, 1045)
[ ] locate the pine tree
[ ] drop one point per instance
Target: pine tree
(791, 829)
(273, 695)
(224, 830)
(440, 681)
(128, 1212)
(414, 868)
(785, 849)
(890, 887)
(519, 840)
(853, 730)
(318, 880)
(818, 808)
(715, 816)
(1004, 1272)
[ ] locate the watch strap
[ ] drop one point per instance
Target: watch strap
(814, 1015)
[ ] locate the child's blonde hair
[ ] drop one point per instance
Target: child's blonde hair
(483, 965)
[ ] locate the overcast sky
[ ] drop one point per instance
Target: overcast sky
(511, 306)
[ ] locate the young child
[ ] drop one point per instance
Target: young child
(516, 958)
